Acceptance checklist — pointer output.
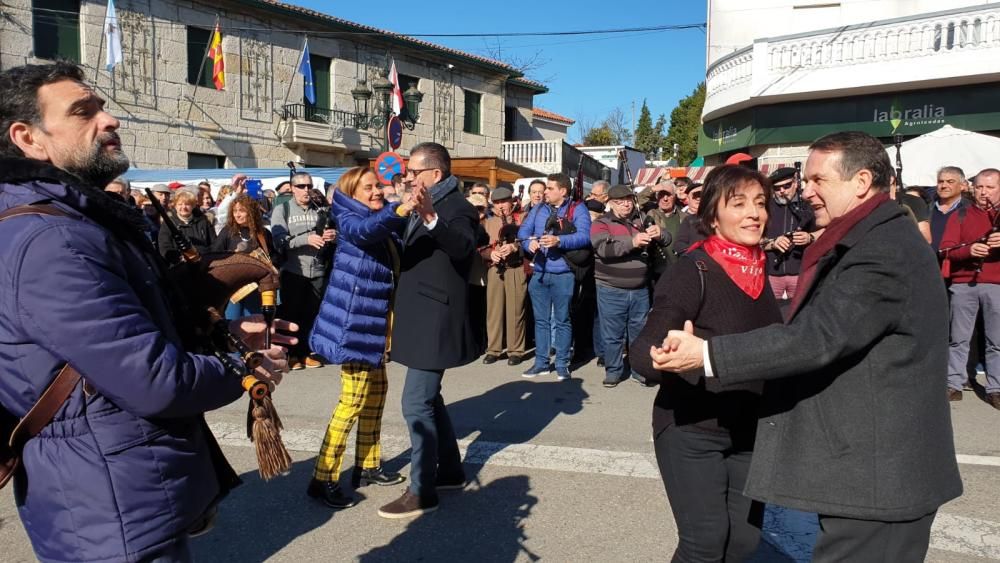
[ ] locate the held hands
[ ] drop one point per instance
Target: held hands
(641, 239)
(251, 330)
(315, 241)
(979, 250)
(548, 241)
(681, 351)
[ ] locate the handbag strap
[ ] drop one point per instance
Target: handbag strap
(45, 409)
(62, 386)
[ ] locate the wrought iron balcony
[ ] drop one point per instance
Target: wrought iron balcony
(316, 114)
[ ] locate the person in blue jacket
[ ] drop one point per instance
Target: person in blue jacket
(354, 329)
(127, 468)
(548, 233)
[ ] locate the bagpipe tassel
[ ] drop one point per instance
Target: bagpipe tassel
(264, 430)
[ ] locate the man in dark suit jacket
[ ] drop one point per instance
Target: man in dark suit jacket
(855, 426)
(431, 315)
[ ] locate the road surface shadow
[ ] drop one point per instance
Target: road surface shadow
(236, 537)
(513, 413)
(482, 525)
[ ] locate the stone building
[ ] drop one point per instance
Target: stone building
(173, 116)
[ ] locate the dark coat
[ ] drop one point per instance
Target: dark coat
(198, 230)
(855, 419)
(352, 322)
(433, 329)
(126, 469)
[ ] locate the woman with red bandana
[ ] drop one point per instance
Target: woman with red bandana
(704, 432)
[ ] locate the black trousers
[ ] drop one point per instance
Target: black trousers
(300, 300)
(867, 541)
(704, 478)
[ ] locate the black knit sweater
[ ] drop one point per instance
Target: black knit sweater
(702, 404)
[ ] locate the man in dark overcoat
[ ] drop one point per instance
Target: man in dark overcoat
(854, 426)
(433, 323)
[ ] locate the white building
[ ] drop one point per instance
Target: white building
(782, 73)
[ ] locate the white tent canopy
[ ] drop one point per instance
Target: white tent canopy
(947, 146)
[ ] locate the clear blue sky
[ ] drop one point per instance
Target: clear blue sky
(588, 76)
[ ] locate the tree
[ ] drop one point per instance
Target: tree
(599, 136)
(612, 130)
(646, 139)
(685, 122)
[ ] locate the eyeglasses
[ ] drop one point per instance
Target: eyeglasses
(303, 186)
(478, 193)
(695, 195)
(417, 171)
(784, 187)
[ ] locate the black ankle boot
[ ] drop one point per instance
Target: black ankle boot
(377, 476)
(330, 494)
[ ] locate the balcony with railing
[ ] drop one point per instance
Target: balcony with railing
(942, 48)
(323, 128)
(553, 156)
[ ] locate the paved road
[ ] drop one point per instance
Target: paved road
(563, 471)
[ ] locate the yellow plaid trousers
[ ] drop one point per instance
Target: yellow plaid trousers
(362, 398)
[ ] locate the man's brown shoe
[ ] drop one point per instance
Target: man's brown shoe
(295, 363)
(312, 362)
(408, 506)
(954, 395)
(994, 400)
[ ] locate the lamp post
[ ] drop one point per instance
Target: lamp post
(377, 116)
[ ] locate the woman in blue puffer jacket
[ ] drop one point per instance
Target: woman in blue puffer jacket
(354, 328)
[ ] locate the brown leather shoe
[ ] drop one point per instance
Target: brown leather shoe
(295, 363)
(408, 506)
(954, 395)
(311, 362)
(994, 400)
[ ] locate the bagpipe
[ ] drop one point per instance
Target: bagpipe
(944, 252)
(206, 282)
(641, 221)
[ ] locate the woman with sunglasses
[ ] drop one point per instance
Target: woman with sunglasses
(704, 433)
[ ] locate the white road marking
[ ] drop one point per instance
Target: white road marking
(957, 534)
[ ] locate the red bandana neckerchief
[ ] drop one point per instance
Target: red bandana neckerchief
(834, 233)
(744, 265)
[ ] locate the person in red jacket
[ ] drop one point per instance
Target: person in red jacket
(975, 282)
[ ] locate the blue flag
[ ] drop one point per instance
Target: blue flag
(306, 70)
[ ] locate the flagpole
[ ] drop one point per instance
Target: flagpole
(288, 91)
(201, 69)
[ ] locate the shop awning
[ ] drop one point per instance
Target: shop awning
(649, 176)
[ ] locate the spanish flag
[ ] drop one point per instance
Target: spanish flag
(218, 63)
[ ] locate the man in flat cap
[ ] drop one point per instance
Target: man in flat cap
(622, 258)
(506, 282)
(791, 227)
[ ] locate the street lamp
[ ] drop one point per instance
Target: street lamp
(381, 109)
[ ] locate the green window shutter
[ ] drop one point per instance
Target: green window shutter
(197, 59)
(473, 101)
(321, 80)
(56, 29)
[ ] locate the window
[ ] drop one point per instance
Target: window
(321, 81)
(405, 82)
(56, 29)
(198, 61)
(201, 161)
(509, 123)
(473, 103)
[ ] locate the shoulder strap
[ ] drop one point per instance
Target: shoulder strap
(47, 406)
(33, 209)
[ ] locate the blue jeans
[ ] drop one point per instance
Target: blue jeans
(434, 448)
(250, 305)
(623, 314)
(598, 337)
(552, 292)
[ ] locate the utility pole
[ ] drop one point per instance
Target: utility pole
(633, 122)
